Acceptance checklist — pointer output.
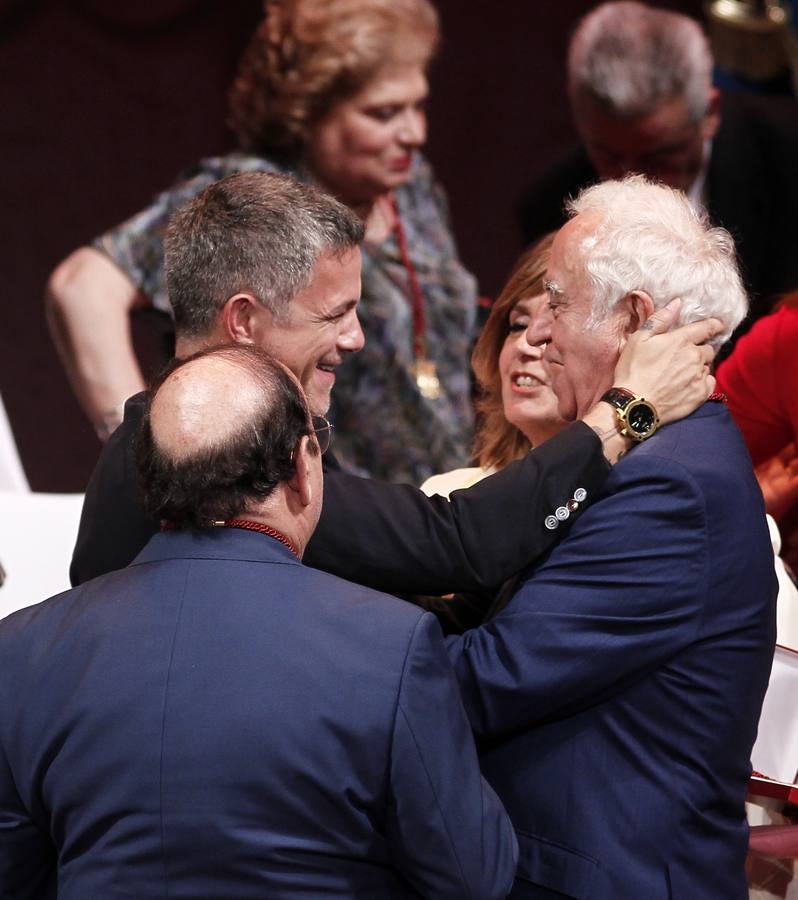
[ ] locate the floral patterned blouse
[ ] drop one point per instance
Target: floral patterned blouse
(384, 427)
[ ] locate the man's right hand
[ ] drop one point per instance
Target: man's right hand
(671, 369)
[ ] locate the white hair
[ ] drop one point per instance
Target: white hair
(630, 58)
(650, 238)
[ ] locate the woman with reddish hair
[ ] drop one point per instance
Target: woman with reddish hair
(331, 92)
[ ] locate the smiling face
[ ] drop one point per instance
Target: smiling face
(319, 328)
(527, 398)
(582, 360)
(667, 145)
(363, 147)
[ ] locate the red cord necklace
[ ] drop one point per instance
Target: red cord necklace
(424, 369)
(249, 525)
(246, 525)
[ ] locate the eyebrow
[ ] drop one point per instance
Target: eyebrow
(344, 306)
(551, 287)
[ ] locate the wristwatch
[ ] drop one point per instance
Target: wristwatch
(637, 417)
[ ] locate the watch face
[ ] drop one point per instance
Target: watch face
(641, 419)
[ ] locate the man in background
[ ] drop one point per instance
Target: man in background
(640, 86)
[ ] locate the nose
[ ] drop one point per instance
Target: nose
(538, 332)
(350, 338)
(413, 128)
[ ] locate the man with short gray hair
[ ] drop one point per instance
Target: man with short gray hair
(617, 694)
(640, 87)
(627, 60)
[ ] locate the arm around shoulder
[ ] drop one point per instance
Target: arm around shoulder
(394, 538)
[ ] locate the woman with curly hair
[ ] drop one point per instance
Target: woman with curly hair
(518, 407)
(331, 92)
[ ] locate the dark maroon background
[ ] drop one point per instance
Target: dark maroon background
(104, 102)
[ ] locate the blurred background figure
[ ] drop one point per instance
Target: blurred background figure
(760, 379)
(331, 91)
(640, 86)
(753, 45)
(518, 409)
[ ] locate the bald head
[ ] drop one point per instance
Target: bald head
(209, 401)
(219, 435)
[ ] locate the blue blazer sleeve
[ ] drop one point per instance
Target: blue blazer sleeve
(27, 856)
(620, 595)
(448, 832)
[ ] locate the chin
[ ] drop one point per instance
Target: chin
(395, 179)
(319, 404)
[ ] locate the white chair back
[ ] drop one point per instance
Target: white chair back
(12, 475)
(37, 536)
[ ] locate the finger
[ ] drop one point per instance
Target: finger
(700, 332)
(706, 353)
(711, 384)
(664, 318)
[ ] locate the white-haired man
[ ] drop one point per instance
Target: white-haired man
(640, 86)
(616, 695)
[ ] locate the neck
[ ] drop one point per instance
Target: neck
(295, 537)
(543, 432)
(382, 219)
(376, 213)
(186, 345)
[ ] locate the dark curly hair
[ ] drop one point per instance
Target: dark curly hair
(307, 54)
(219, 481)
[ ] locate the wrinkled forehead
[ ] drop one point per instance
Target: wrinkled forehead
(566, 260)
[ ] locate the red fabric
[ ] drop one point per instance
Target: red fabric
(774, 840)
(760, 379)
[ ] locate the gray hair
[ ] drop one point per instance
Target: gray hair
(630, 58)
(253, 232)
(650, 238)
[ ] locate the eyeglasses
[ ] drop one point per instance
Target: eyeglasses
(322, 428)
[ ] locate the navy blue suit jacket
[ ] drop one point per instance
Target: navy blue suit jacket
(616, 696)
(219, 721)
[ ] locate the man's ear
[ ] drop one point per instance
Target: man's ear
(639, 307)
(711, 122)
(300, 484)
(241, 318)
